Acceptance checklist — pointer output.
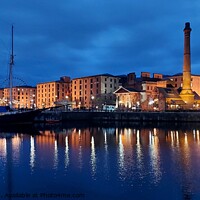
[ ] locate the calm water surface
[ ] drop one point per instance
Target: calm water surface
(101, 163)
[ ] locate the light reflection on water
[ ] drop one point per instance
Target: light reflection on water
(124, 162)
(55, 161)
(32, 153)
(154, 156)
(93, 158)
(3, 148)
(66, 152)
(80, 153)
(16, 145)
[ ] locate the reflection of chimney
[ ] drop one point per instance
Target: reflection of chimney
(186, 93)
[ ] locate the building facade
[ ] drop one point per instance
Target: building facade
(127, 98)
(49, 93)
(23, 97)
(195, 82)
(140, 92)
(94, 91)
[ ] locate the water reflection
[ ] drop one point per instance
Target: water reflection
(16, 144)
(154, 156)
(106, 156)
(80, 153)
(121, 157)
(139, 155)
(131, 157)
(55, 165)
(66, 152)
(32, 153)
(3, 148)
(93, 157)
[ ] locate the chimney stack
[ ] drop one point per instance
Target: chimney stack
(186, 94)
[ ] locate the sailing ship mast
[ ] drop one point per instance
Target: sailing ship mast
(11, 72)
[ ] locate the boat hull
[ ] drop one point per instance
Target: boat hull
(19, 117)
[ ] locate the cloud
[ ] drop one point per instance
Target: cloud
(80, 38)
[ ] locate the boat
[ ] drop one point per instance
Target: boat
(19, 117)
(7, 113)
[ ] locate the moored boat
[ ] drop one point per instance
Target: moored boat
(21, 117)
(8, 114)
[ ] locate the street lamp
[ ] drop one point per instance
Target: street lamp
(66, 103)
(92, 99)
(33, 101)
(55, 100)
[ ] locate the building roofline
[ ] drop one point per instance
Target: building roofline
(21, 86)
(106, 74)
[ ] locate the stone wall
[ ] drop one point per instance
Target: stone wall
(132, 116)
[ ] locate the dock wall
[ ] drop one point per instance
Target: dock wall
(133, 116)
(121, 116)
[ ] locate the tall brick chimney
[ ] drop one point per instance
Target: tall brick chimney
(186, 94)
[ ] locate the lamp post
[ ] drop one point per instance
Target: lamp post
(66, 104)
(92, 99)
(33, 101)
(55, 100)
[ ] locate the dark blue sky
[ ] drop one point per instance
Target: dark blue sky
(87, 37)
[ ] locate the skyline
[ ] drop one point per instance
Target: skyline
(86, 38)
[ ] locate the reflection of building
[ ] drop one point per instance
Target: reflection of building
(23, 96)
(92, 91)
(50, 92)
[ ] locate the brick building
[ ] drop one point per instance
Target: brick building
(94, 91)
(50, 92)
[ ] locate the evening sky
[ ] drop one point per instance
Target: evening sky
(79, 38)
